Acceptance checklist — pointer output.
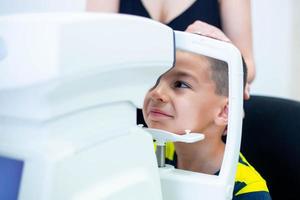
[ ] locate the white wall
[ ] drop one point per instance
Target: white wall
(296, 51)
(22, 6)
(276, 45)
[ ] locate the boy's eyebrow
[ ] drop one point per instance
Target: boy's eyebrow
(186, 74)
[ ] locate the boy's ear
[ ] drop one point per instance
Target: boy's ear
(222, 118)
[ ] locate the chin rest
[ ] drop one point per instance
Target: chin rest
(271, 142)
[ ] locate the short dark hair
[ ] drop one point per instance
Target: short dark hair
(219, 74)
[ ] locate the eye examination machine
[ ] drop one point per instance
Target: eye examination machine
(69, 88)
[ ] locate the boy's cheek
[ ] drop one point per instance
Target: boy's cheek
(145, 104)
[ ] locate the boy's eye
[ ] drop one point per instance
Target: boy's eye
(181, 84)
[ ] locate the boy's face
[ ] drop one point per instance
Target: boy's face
(184, 97)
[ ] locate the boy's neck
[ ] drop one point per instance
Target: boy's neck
(204, 157)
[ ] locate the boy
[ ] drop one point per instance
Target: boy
(194, 95)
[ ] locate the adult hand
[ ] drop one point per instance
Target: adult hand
(211, 31)
(207, 30)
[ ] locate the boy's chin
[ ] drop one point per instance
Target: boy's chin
(166, 128)
(162, 125)
(158, 125)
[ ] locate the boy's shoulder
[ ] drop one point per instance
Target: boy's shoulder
(249, 182)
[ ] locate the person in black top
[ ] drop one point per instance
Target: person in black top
(233, 17)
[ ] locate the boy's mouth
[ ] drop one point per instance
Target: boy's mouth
(157, 113)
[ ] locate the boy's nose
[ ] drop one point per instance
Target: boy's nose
(160, 94)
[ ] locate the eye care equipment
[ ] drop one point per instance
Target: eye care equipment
(69, 88)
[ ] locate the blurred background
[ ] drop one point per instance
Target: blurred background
(276, 40)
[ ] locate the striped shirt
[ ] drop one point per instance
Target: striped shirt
(249, 185)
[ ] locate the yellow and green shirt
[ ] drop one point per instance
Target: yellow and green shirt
(249, 185)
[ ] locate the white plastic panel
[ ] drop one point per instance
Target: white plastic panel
(108, 170)
(69, 88)
(51, 46)
(53, 64)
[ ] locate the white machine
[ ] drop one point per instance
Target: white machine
(69, 88)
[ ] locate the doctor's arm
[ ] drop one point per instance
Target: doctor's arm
(236, 23)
